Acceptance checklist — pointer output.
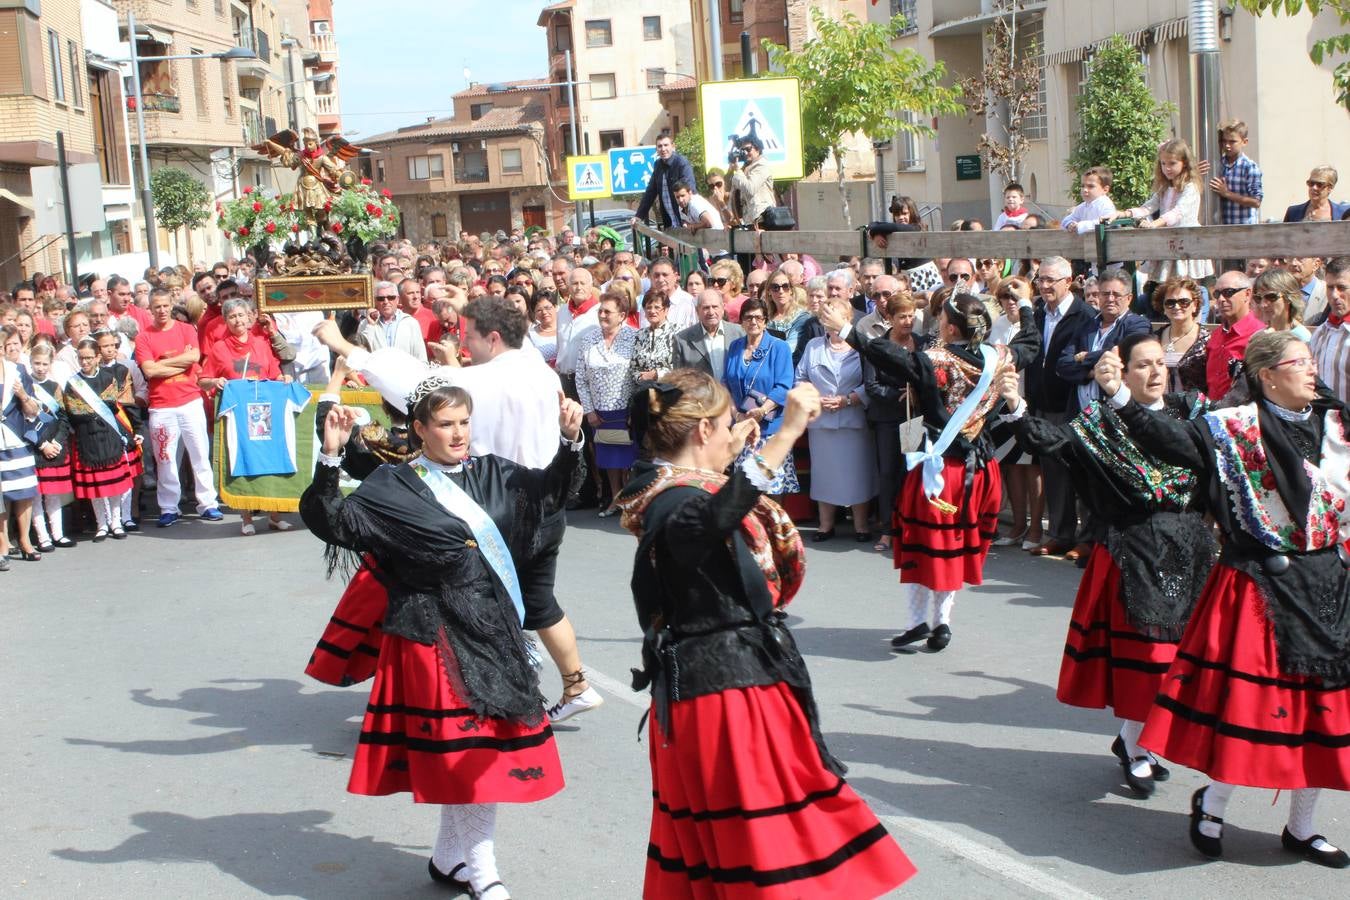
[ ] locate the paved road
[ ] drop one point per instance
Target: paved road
(162, 741)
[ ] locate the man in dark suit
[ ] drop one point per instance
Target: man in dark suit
(1099, 333)
(1059, 320)
(704, 346)
(669, 170)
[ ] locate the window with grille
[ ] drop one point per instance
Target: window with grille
(651, 28)
(599, 33)
(910, 10)
(909, 147)
(1031, 34)
(439, 228)
(656, 78)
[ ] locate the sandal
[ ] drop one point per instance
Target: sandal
(279, 525)
(882, 546)
(27, 555)
(248, 529)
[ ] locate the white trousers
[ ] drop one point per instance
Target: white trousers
(185, 425)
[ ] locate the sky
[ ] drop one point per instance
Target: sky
(400, 60)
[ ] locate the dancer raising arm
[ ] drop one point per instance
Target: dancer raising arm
(455, 716)
(1144, 575)
(1259, 693)
(747, 801)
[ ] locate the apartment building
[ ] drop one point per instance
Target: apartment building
(310, 60)
(51, 79)
(1266, 79)
(483, 169)
(623, 55)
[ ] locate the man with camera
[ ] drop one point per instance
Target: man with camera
(751, 181)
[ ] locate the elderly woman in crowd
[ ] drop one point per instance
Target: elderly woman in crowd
(843, 471)
(1021, 474)
(789, 315)
(1319, 207)
(1278, 301)
(543, 331)
(1183, 337)
(604, 361)
(726, 276)
(759, 374)
(654, 348)
(76, 327)
(18, 475)
(892, 412)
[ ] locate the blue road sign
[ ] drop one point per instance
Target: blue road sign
(630, 168)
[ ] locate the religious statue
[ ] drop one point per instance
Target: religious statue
(323, 166)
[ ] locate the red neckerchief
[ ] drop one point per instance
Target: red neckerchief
(312, 154)
(1012, 214)
(583, 308)
(1335, 321)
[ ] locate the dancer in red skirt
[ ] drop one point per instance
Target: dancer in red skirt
(1147, 566)
(455, 715)
(1259, 693)
(947, 510)
(105, 443)
(747, 801)
(51, 453)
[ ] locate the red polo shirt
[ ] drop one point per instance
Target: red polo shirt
(1226, 345)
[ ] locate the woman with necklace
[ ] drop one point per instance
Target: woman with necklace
(543, 332)
(1142, 580)
(455, 716)
(1182, 338)
(948, 507)
(747, 801)
(104, 440)
(758, 373)
(654, 347)
(1259, 693)
(844, 472)
(604, 358)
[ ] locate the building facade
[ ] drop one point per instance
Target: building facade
(483, 169)
(623, 54)
(1266, 79)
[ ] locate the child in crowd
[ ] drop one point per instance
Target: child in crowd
(52, 453)
(1176, 204)
(1014, 207)
(1097, 203)
(1238, 182)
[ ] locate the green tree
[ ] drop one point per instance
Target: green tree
(1120, 123)
(1320, 50)
(689, 144)
(853, 80)
(1008, 87)
(181, 201)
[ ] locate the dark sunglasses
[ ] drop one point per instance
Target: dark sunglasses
(718, 282)
(960, 276)
(1177, 302)
(883, 295)
(779, 286)
(1227, 293)
(1270, 297)
(386, 296)
(1319, 185)
(715, 184)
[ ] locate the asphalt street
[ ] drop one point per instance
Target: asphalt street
(162, 741)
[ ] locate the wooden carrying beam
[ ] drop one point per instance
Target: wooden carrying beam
(1212, 242)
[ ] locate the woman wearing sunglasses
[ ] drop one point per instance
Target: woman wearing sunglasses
(1183, 337)
(727, 278)
(1279, 302)
(1259, 692)
(1319, 207)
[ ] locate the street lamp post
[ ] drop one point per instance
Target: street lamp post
(570, 84)
(147, 200)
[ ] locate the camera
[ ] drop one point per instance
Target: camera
(737, 156)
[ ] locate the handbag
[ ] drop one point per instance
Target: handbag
(912, 431)
(777, 218)
(613, 436)
(34, 434)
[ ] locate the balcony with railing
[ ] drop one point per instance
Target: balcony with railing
(326, 105)
(471, 168)
(325, 43)
(156, 102)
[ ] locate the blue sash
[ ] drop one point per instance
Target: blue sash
(490, 541)
(95, 403)
(930, 457)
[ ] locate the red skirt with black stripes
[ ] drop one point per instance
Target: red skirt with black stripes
(1106, 661)
(1227, 710)
(743, 807)
(106, 481)
(350, 645)
(943, 551)
(419, 736)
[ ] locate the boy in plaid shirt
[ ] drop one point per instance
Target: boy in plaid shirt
(1238, 182)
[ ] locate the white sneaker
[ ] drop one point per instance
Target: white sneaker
(568, 707)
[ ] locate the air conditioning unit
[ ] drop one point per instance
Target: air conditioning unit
(454, 146)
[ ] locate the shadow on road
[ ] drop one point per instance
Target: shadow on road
(271, 712)
(858, 644)
(276, 854)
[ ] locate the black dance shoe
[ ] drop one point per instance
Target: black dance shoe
(1210, 846)
(917, 633)
(822, 536)
(1160, 772)
(448, 878)
(1332, 858)
(65, 543)
(940, 638)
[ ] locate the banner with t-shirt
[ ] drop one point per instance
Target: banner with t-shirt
(265, 448)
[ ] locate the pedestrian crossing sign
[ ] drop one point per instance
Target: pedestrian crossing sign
(765, 108)
(588, 177)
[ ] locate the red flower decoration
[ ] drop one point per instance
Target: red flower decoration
(941, 376)
(270, 228)
(295, 228)
(336, 228)
(377, 212)
(1268, 480)
(1298, 538)
(243, 231)
(257, 207)
(327, 204)
(248, 189)
(365, 181)
(371, 207)
(384, 192)
(1318, 539)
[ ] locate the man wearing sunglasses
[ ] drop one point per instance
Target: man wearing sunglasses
(1237, 323)
(670, 169)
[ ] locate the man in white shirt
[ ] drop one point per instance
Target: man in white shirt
(682, 313)
(575, 318)
(1330, 342)
(391, 326)
(697, 211)
(310, 365)
(1097, 203)
(515, 400)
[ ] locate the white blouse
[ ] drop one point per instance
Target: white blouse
(603, 382)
